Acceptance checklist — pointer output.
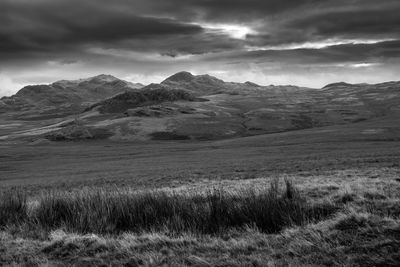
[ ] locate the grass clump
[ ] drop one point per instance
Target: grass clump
(350, 238)
(13, 207)
(116, 211)
(99, 211)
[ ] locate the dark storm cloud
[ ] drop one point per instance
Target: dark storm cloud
(328, 20)
(171, 27)
(352, 23)
(348, 53)
(230, 10)
(41, 29)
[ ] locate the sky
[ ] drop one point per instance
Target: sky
(301, 42)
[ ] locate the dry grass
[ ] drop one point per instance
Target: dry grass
(365, 232)
(349, 239)
(13, 207)
(216, 211)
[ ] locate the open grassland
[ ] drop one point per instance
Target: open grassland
(362, 146)
(204, 203)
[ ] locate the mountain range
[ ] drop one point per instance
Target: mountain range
(186, 107)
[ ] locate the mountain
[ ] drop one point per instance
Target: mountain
(191, 107)
(378, 99)
(149, 95)
(337, 85)
(201, 85)
(198, 85)
(64, 97)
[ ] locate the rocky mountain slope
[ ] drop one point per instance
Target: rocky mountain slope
(63, 97)
(147, 96)
(186, 106)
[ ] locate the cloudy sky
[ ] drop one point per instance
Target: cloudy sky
(301, 42)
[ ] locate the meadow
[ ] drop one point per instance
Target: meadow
(315, 197)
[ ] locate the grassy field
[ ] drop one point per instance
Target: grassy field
(206, 203)
(171, 164)
(355, 223)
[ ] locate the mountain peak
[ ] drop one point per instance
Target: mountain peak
(251, 84)
(338, 84)
(182, 76)
(103, 78)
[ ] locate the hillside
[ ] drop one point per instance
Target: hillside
(63, 97)
(198, 85)
(187, 106)
(145, 97)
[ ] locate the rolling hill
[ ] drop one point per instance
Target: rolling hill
(63, 97)
(187, 106)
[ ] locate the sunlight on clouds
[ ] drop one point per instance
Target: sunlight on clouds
(364, 65)
(352, 65)
(234, 31)
(318, 44)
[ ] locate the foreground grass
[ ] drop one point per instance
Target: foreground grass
(364, 232)
(13, 207)
(113, 212)
(348, 239)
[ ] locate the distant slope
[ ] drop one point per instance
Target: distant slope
(186, 106)
(201, 85)
(378, 99)
(64, 97)
(149, 95)
(198, 85)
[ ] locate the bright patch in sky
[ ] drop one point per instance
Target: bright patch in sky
(234, 31)
(8, 86)
(319, 44)
(364, 65)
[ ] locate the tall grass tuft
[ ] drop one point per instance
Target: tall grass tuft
(13, 207)
(100, 211)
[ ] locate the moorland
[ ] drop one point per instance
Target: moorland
(196, 171)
